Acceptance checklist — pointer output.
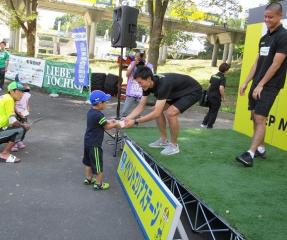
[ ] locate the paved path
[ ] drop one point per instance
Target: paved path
(43, 196)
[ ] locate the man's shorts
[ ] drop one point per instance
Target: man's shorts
(185, 102)
(263, 105)
(93, 157)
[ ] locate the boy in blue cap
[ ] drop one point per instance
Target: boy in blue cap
(93, 153)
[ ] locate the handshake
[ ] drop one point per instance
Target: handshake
(123, 123)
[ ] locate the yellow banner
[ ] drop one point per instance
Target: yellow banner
(276, 128)
(156, 208)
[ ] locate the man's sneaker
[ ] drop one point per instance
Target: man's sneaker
(203, 126)
(89, 182)
(170, 150)
(103, 186)
(158, 144)
(245, 159)
(259, 154)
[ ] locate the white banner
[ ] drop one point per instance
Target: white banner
(30, 70)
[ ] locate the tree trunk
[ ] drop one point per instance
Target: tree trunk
(31, 38)
(157, 12)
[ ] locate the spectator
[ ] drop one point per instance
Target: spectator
(11, 130)
(4, 60)
(215, 94)
(134, 91)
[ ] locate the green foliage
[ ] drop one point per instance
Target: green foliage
(141, 30)
(102, 26)
(228, 9)
(68, 22)
(177, 39)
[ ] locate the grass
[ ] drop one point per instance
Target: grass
(198, 69)
(255, 197)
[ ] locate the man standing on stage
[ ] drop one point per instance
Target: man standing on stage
(268, 74)
(175, 93)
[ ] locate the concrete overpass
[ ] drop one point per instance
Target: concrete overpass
(216, 34)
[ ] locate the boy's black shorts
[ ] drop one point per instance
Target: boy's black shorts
(93, 157)
(263, 105)
(185, 102)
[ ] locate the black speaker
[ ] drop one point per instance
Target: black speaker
(124, 27)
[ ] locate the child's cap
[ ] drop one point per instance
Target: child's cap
(15, 86)
(98, 96)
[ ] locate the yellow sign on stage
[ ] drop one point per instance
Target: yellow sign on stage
(156, 208)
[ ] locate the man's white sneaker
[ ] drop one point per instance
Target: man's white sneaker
(203, 126)
(158, 144)
(170, 150)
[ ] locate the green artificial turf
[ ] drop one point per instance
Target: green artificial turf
(256, 198)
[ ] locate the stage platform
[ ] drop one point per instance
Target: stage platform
(225, 199)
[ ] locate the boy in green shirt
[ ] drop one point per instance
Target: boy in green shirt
(4, 59)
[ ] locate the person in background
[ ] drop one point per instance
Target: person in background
(11, 130)
(93, 153)
(134, 91)
(4, 60)
(215, 94)
(268, 74)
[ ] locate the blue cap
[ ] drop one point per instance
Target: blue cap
(98, 96)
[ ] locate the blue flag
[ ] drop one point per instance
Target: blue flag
(82, 63)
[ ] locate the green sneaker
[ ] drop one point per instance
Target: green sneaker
(103, 186)
(89, 182)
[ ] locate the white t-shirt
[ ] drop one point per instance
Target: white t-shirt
(21, 106)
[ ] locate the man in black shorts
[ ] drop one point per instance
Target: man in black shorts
(268, 74)
(175, 93)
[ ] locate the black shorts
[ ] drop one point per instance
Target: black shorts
(263, 105)
(93, 157)
(185, 102)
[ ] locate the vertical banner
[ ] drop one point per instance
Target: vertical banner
(82, 63)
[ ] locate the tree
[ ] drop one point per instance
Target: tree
(69, 21)
(156, 10)
(23, 15)
(227, 9)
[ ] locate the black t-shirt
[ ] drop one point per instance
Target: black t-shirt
(95, 128)
(269, 45)
(172, 86)
(216, 81)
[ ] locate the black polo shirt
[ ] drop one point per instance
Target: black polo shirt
(172, 86)
(95, 128)
(216, 81)
(269, 45)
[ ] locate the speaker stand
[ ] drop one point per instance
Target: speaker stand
(117, 138)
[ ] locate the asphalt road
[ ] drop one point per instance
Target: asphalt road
(43, 197)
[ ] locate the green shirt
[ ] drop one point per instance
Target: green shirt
(6, 109)
(4, 57)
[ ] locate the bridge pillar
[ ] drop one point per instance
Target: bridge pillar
(225, 52)
(214, 54)
(91, 18)
(14, 41)
(230, 53)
